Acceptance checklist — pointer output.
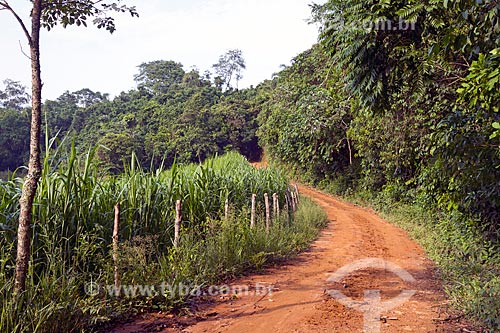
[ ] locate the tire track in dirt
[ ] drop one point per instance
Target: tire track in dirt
(299, 301)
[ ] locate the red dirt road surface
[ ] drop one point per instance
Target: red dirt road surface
(300, 298)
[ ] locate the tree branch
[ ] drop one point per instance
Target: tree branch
(76, 2)
(5, 6)
(22, 51)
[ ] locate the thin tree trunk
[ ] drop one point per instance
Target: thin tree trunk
(34, 165)
(116, 233)
(350, 151)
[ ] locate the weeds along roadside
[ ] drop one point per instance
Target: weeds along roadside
(72, 232)
(468, 264)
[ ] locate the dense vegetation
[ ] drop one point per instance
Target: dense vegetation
(397, 106)
(172, 115)
(73, 234)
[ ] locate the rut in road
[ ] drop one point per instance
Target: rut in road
(300, 301)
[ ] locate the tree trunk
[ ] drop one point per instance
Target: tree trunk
(34, 165)
(116, 248)
(350, 151)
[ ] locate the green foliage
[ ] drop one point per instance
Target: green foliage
(115, 149)
(367, 41)
(481, 87)
(475, 27)
(233, 247)
(14, 138)
(14, 125)
(14, 96)
(411, 89)
(65, 113)
(463, 175)
(399, 101)
(420, 121)
(173, 115)
(304, 123)
(55, 12)
(158, 76)
(72, 235)
(480, 90)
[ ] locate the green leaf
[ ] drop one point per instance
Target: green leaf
(434, 49)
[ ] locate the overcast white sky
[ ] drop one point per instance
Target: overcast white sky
(192, 32)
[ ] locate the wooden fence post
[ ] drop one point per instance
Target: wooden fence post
(268, 212)
(252, 212)
(296, 187)
(116, 232)
(178, 219)
(226, 209)
(276, 206)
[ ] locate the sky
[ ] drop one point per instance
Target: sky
(193, 32)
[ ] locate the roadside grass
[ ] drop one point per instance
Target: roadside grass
(468, 265)
(233, 247)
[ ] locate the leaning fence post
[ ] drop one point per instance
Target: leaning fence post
(178, 219)
(116, 232)
(268, 212)
(296, 187)
(252, 212)
(293, 201)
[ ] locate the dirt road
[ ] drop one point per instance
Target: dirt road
(300, 300)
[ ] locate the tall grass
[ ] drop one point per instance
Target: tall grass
(72, 233)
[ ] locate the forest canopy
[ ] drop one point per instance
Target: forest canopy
(173, 114)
